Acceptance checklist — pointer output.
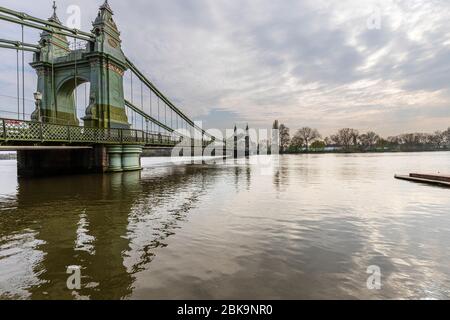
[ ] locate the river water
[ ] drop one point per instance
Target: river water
(291, 227)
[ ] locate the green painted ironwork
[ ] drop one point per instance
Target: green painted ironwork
(14, 132)
(40, 24)
(147, 117)
(61, 69)
(19, 131)
(163, 98)
(18, 45)
(102, 63)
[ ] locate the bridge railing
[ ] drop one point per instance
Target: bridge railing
(30, 131)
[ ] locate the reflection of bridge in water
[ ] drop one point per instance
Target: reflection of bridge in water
(110, 225)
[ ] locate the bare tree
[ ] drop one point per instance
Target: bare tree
(308, 135)
(355, 137)
(438, 139)
(336, 139)
(447, 137)
(350, 140)
(369, 140)
(297, 142)
(346, 137)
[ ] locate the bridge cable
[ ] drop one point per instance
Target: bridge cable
(138, 111)
(132, 114)
(142, 106)
(18, 85)
(53, 81)
(45, 25)
(159, 128)
(76, 73)
(23, 77)
(147, 122)
(151, 113)
(155, 90)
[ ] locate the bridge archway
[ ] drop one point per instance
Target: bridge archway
(62, 67)
(68, 99)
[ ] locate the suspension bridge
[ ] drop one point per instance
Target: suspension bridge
(113, 131)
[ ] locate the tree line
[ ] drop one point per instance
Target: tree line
(308, 139)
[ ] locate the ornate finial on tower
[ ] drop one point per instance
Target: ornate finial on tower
(105, 19)
(54, 17)
(106, 6)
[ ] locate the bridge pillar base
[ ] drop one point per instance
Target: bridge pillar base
(131, 158)
(99, 159)
(41, 163)
(124, 158)
(114, 158)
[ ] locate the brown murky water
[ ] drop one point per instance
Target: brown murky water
(302, 227)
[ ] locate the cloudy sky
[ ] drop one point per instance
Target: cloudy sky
(372, 65)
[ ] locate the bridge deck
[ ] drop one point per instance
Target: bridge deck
(25, 148)
(18, 132)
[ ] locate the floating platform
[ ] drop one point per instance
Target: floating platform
(435, 179)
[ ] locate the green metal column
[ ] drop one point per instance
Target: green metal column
(131, 158)
(115, 158)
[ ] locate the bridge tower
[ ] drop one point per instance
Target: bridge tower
(61, 69)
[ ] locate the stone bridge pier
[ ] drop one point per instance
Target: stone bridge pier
(83, 160)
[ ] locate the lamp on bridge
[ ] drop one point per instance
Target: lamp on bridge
(36, 116)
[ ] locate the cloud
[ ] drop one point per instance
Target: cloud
(303, 62)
